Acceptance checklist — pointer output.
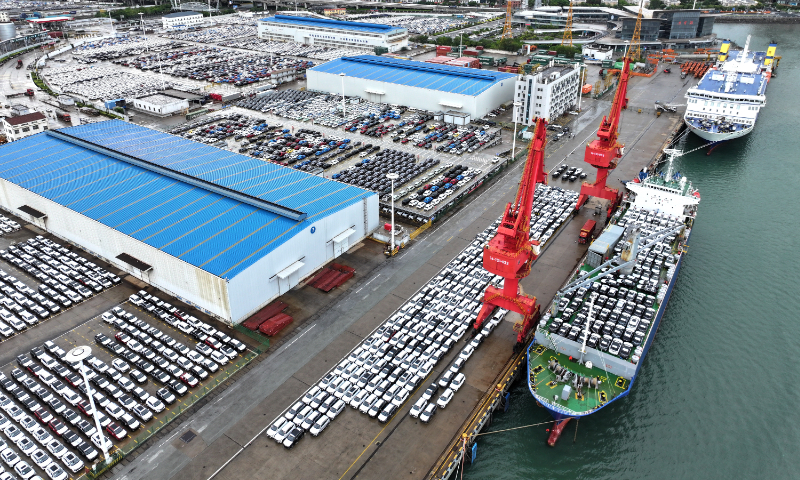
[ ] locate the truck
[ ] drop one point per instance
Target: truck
(587, 232)
(28, 92)
(64, 117)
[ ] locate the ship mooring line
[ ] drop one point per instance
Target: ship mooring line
(513, 428)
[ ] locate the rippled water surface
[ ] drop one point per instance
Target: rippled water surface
(718, 394)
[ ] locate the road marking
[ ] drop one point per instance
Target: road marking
(298, 338)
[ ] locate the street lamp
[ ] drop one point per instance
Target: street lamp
(392, 176)
(627, 43)
(517, 105)
(141, 24)
(344, 113)
(113, 32)
(78, 355)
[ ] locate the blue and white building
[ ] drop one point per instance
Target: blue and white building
(221, 231)
(332, 33)
(421, 85)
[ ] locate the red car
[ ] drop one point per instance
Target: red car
(213, 343)
(189, 380)
(85, 407)
(58, 427)
(122, 337)
(116, 431)
(43, 415)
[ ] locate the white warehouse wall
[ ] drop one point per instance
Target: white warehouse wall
(415, 97)
(256, 286)
(170, 274)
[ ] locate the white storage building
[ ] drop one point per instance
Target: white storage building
(547, 94)
(421, 85)
(332, 33)
(221, 231)
(23, 126)
(161, 104)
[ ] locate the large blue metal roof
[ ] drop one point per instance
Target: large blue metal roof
(211, 231)
(335, 24)
(445, 78)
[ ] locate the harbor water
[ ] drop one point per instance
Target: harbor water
(716, 397)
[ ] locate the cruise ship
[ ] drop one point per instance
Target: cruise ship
(726, 102)
(590, 345)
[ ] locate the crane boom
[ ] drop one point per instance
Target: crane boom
(511, 252)
(604, 151)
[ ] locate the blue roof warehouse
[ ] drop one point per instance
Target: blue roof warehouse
(222, 231)
(419, 85)
(333, 33)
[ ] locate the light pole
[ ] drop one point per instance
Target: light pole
(344, 113)
(78, 355)
(517, 105)
(392, 176)
(141, 24)
(580, 86)
(113, 32)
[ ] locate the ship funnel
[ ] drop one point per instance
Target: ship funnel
(629, 251)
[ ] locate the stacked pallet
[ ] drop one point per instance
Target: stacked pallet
(271, 310)
(331, 277)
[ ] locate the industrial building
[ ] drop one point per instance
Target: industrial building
(557, 16)
(668, 25)
(181, 20)
(223, 232)
(547, 94)
(161, 104)
(333, 33)
(21, 126)
(419, 85)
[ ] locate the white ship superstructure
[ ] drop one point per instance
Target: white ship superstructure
(726, 102)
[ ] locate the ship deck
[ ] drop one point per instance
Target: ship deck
(544, 382)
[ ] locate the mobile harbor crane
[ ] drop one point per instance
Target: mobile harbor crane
(511, 252)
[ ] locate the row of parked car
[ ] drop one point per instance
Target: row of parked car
(67, 279)
(380, 374)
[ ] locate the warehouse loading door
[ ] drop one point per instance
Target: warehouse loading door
(288, 277)
(341, 242)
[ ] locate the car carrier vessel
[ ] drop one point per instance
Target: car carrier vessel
(590, 345)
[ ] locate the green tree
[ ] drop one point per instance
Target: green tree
(657, 5)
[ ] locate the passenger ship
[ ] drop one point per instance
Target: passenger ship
(726, 102)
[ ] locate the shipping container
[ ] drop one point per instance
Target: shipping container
(603, 247)
(442, 50)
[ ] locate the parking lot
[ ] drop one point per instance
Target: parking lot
(150, 361)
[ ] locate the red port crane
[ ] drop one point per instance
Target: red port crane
(511, 252)
(604, 151)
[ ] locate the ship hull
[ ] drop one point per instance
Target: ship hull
(558, 415)
(717, 137)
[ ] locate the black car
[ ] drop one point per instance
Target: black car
(293, 437)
